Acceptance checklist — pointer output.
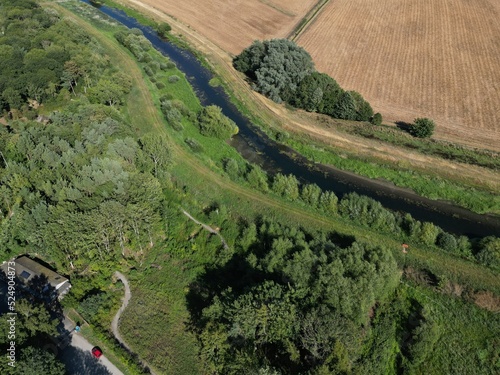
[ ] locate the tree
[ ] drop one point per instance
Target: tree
(257, 178)
(489, 252)
(163, 29)
(286, 186)
(157, 151)
(422, 128)
(213, 123)
(278, 66)
(310, 194)
(36, 361)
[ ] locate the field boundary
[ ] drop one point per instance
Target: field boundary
(307, 20)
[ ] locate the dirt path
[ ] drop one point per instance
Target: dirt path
(116, 319)
(208, 228)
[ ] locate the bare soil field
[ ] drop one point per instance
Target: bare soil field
(417, 58)
(235, 24)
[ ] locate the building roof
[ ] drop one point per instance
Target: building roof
(27, 269)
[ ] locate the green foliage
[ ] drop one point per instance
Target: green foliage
(213, 123)
(36, 361)
(283, 71)
(376, 119)
(422, 128)
(257, 178)
(310, 195)
(95, 309)
(489, 252)
(296, 303)
(286, 186)
(232, 168)
(278, 66)
(173, 79)
(163, 29)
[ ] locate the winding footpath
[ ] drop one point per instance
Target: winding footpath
(208, 228)
(116, 319)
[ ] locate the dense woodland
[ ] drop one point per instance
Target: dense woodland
(81, 189)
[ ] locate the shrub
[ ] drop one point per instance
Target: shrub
(173, 78)
(422, 128)
(160, 85)
(194, 144)
(154, 65)
(286, 186)
(257, 178)
(163, 29)
(232, 168)
(148, 71)
(213, 123)
(447, 241)
(171, 65)
(376, 119)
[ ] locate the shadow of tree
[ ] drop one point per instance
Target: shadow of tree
(79, 362)
(405, 126)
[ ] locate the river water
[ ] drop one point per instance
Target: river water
(256, 147)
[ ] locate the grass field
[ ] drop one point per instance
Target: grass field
(417, 58)
(235, 24)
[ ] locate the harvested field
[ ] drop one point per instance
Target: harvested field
(234, 24)
(417, 58)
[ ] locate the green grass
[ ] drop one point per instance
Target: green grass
(433, 187)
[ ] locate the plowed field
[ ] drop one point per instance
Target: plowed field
(417, 58)
(234, 24)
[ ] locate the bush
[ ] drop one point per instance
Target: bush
(232, 168)
(257, 178)
(447, 241)
(213, 123)
(194, 144)
(148, 71)
(173, 78)
(163, 29)
(422, 128)
(376, 119)
(286, 186)
(160, 85)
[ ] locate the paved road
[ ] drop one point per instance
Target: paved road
(78, 358)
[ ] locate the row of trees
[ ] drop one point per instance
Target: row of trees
(369, 213)
(285, 72)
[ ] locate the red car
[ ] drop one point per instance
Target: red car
(96, 351)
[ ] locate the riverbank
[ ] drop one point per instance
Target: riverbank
(363, 152)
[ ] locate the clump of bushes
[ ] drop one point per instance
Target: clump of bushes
(213, 123)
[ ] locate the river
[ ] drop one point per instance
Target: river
(256, 147)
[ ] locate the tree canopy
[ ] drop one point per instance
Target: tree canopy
(285, 72)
